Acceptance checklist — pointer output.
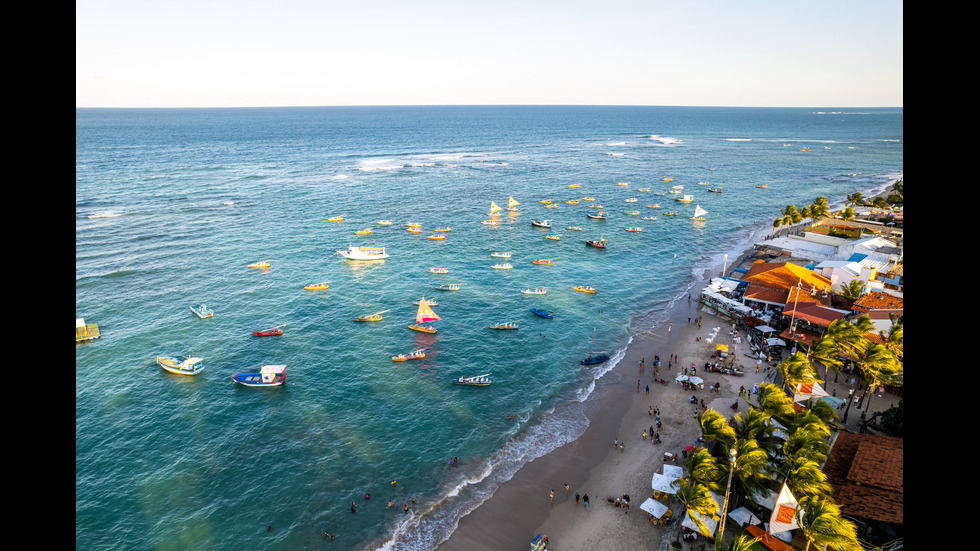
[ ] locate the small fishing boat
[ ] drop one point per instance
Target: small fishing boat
(669, 213)
(592, 360)
(336, 219)
(449, 287)
(437, 237)
(414, 355)
(649, 217)
(598, 243)
(439, 270)
(574, 228)
(479, 380)
(413, 230)
(699, 214)
(632, 212)
(317, 286)
(444, 229)
(430, 302)
(553, 237)
(668, 179)
(631, 200)
(262, 264)
(571, 202)
(574, 185)
(365, 231)
(384, 222)
(202, 311)
(685, 199)
(633, 229)
(500, 255)
(624, 184)
(763, 186)
(545, 201)
(545, 261)
(653, 206)
(504, 326)
(543, 313)
(541, 223)
(712, 190)
(363, 253)
(423, 317)
(504, 266)
(190, 366)
(275, 331)
(597, 207)
(600, 216)
(490, 223)
(588, 198)
(703, 184)
(538, 291)
(512, 205)
(586, 289)
(643, 189)
(268, 375)
(413, 225)
(371, 317)
(551, 206)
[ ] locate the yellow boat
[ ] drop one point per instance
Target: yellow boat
(365, 231)
(384, 222)
(439, 270)
(633, 212)
(413, 225)
(572, 202)
(444, 229)
(585, 289)
(424, 316)
(669, 213)
(437, 237)
(575, 185)
(624, 184)
(416, 355)
(317, 287)
(371, 317)
(653, 206)
(336, 219)
(668, 179)
(545, 202)
(262, 264)
(413, 230)
(588, 198)
(643, 189)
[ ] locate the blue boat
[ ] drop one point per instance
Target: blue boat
(269, 375)
(542, 313)
(592, 360)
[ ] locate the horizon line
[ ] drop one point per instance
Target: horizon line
(496, 105)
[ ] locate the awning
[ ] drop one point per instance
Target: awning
(663, 483)
(743, 516)
(654, 507)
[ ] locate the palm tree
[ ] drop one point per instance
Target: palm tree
(797, 370)
(715, 427)
(893, 339)
(819, 208)
(852, 289)
(879, 365)
(848, 214)
(775, 226)
(697, 499)
(705, 470)
(743, 542)
(805, 478)
(856, 198)
(822, 524)
(775, 402)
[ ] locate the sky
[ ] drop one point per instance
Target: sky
(251, 53)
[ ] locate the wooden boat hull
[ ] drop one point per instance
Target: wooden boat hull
(267, 333)
(317, 287)
(423, 328)
(543, 313)
(589, 290)
(255, 379)
(172, 365)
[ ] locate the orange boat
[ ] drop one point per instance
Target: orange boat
(416, 355)
(546, 261)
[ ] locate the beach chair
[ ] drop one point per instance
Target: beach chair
(656, 494)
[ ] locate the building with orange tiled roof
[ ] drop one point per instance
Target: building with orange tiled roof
(771, 282)
(867, 475)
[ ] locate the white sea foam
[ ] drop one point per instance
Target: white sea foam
(665, 140)
(107, 214)
(339, 177)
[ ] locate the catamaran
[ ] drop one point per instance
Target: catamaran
(363, 253)
(423, 317)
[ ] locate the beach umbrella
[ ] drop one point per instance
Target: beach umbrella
(673, 471)
(695, 380)
(681, 378)
(654, 507)
(663, 484)
(743, 516)
(722, 347)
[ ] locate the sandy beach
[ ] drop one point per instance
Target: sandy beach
(620, 412)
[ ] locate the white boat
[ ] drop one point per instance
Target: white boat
(479, 380)
(574, 228)
(439, 270)
(363, 253)
(538, 291)
(261, 264)
(268, 375)
(554, 236)
(190, 366)
(631, 200)
(541, 223)
(685, 199)
(504, 266)
(202, 311)
(500, 255)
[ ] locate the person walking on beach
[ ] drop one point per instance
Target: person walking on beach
(577, 497)
(552, 500)
(585, 499)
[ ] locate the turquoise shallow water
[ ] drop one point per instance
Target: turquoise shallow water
(171, 462)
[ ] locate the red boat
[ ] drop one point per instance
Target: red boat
(267, 332)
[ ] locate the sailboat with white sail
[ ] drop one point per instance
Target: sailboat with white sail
(699, 214)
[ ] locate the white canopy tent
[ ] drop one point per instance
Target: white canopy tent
(654, 507)
(663, 483)
(743, 516)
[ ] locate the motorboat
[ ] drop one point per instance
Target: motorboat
(586, 289)
(541, 223)
(633, 229)
(573, 202)
(504, 266)
(500, 255)
(685, 199)
(545, 261)
(538, 291)
(600, 216)
(414, 355)
(275, 331)
(631, 200)
(413, 230)
(365, 231)
(574, 228)
(262, 264)
(504, 325)
(632, 212)
(444, 229)
(438, 237)
(384, 222)
(268, 375)
(439, 270)
(553, 236)
(598, 243)
(478, 380)
(202, 311)
(190, 366)
(363, 253)
(449, 287)
(335, 219)
(653, 206)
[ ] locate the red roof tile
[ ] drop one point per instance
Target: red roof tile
(867, 475)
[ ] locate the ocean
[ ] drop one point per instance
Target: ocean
(172, 205)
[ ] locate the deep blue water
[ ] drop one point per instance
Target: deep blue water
(171, 462)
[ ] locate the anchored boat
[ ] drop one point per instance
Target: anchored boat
(543, 313)
(317, 286)
(597, 359)
(262, 264)
(371, 317)
(190, 366)
(538, 291)
(504, 325)
(586, 289)
(415, 355)
(541, 223)
(479, 380)
(202, 311)
(363, 253)
(268, 375)
(268, 332)
(598, 243)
